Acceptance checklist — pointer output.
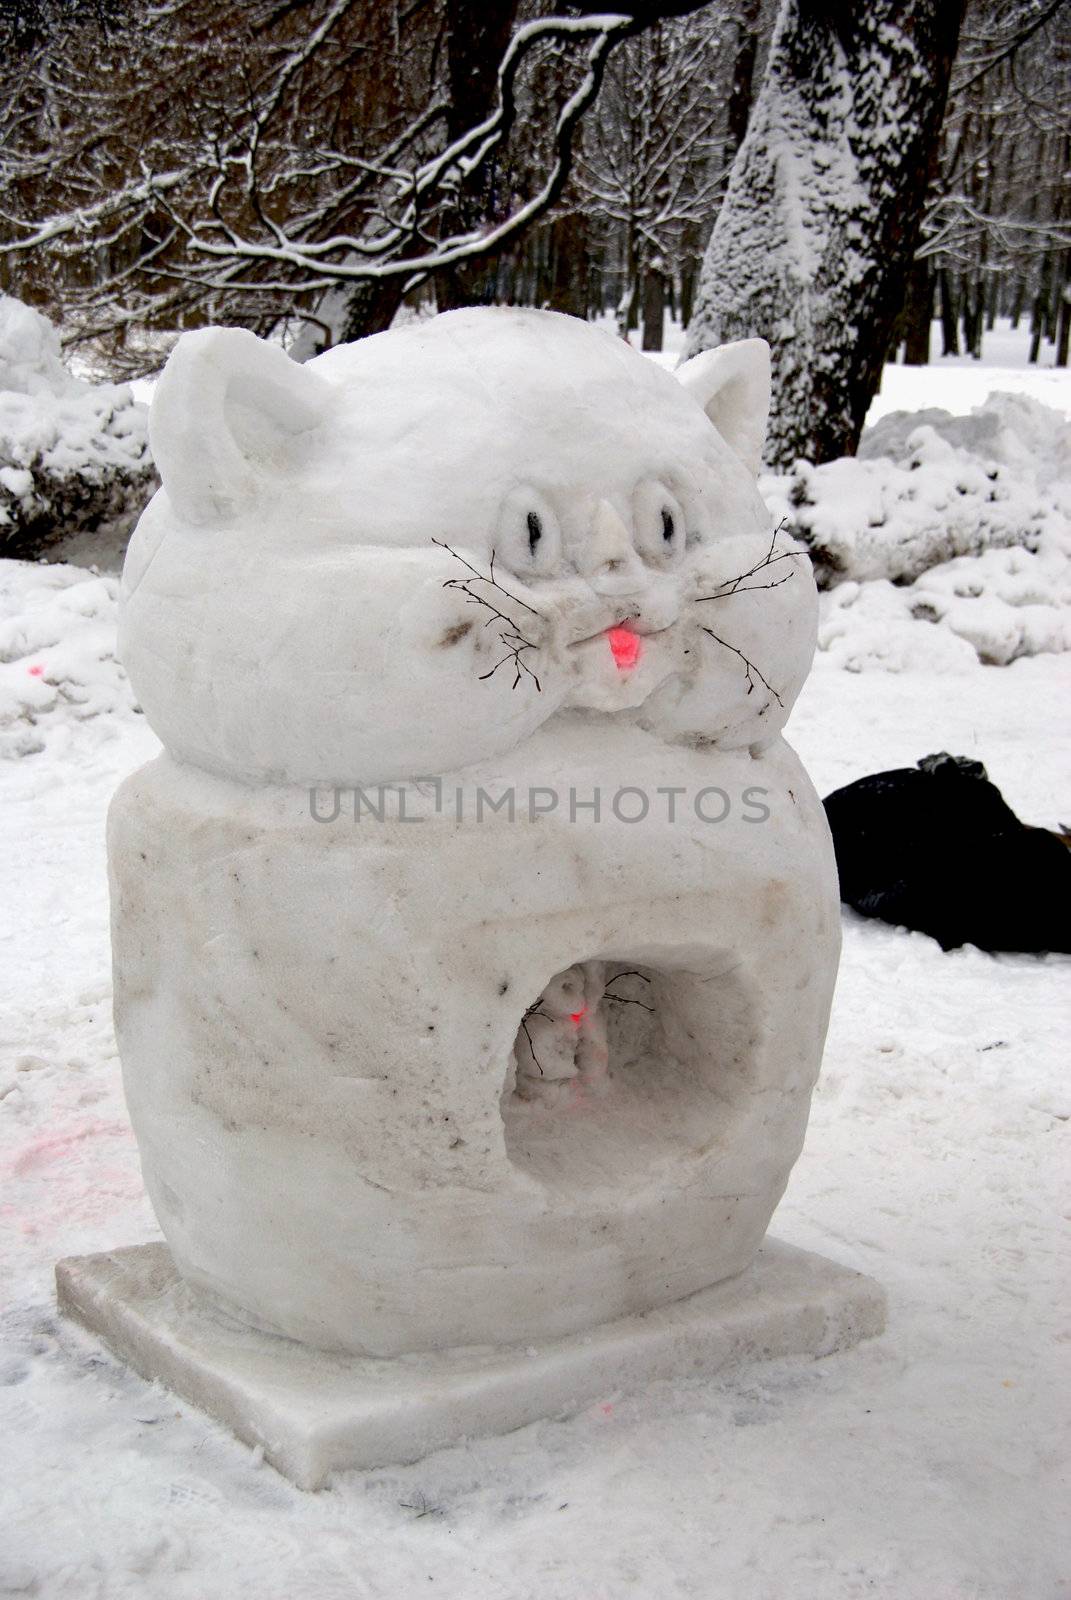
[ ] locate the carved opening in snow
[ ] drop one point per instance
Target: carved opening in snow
(622, 1066)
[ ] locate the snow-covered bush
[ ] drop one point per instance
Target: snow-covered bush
(927, 487)
(73, 457)
(959, 521)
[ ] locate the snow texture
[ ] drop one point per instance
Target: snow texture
(74, 458)
(932, 1463)
(57, 654)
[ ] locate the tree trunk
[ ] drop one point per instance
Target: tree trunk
(992, 301)
(917, 315)
(821, 219)
(977, 322)
(747, 44)
(1037, 322)
(370, 307)
(1040, 316)
(541, 284)
(1017, 302)
(569, 267)
(1063, 327)
(687, 291)
(477, 33)
(654, 308)
(949, 324)
(972, 320)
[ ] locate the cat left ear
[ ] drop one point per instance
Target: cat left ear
(732, 384)
(230, 421)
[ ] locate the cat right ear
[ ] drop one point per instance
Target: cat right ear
(230, 421)
(732, 384)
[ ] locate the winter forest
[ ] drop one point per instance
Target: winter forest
(882, 193)
(310, 169)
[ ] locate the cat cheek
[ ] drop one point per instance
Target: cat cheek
(470, 684)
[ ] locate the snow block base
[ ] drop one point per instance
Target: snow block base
(314, 1413)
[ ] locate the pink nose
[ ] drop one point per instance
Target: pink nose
(625, 647)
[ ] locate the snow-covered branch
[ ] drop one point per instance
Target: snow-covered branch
(318, 151)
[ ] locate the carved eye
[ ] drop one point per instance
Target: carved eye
(535, 532)
(660, 531)
(527, 538)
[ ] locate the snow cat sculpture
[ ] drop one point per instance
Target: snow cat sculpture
(475, 933)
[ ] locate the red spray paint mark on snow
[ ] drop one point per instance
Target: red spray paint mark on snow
(35, 672)
(625, 648)
(42, 1151)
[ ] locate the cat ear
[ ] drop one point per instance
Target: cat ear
(230, 421)
(732, 384)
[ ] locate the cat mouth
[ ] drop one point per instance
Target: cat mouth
(622, 664)
(630, 625)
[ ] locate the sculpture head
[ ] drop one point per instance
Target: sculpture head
(411, 553)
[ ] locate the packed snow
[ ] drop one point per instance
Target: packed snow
(928, 1463)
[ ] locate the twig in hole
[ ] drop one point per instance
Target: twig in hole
(622, 999)
(534, 1011)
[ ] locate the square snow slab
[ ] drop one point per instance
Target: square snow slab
(314, 1413)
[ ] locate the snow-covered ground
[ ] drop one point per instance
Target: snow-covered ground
(930, 1464)
(960, 382)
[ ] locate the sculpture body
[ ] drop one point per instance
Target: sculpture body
(436, 1074)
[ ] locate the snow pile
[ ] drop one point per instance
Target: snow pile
(1009, 431)
(30, 360)
(73, 457)
(960, 521)
(57, 654)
